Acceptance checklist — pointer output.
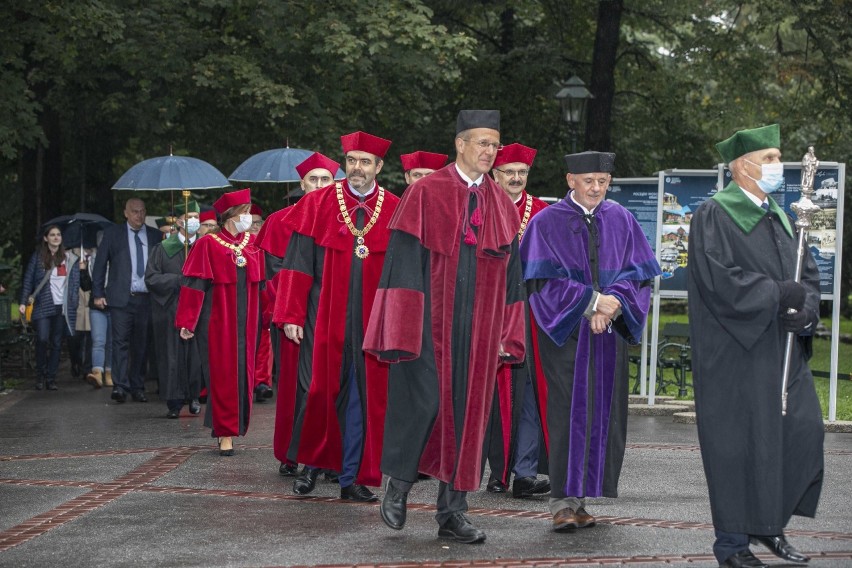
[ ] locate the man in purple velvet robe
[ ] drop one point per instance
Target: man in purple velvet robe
(588, 269)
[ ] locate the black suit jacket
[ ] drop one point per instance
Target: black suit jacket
(114, 256)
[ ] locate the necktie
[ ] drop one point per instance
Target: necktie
(140, 255)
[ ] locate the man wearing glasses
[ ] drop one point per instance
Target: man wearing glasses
(588, 269)
(448, 307)
(515, 441)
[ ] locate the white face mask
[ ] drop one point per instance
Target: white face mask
(771, 177)
(192, 225)
(243, 224)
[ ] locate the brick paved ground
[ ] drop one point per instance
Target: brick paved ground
(86, 482)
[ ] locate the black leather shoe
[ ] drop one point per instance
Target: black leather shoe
(743, 559)
(460, 529)
(306, 482)
(118, 395)
(139, 397)
(495, 486)
(358, 493)
(779, 546)
(194, 406)
(51, 386)
(262, 392)
(287, 469)
(528, 486)
(39, 385)
(173, 413)
(393, 506)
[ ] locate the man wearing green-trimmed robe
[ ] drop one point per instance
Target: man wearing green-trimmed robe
(762, 467)
(181, 364)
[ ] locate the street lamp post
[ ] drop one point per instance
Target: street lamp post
(572, 97)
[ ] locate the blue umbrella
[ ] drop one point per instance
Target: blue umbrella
(171, 173)
(274, 166)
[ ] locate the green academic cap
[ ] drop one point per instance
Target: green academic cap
(162, 222)
(193, 208)
(746, 141)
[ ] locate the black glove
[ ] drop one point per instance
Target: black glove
(798, 322)
(792, 295)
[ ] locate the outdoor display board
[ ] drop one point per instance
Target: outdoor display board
(680, 192)
(639, 196)
(822, 235)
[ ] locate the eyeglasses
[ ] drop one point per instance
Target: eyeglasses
(513, 173)
(483, 144)
(257, 223)
(209, 225)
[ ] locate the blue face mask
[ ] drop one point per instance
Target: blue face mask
(771, 177)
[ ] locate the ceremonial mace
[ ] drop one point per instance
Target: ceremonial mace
(804, 208)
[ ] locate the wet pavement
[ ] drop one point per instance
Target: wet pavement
(87, 482)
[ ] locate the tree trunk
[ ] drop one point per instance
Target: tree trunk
(599, 114)
(41, 178)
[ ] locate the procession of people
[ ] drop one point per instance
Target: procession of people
(462, 325)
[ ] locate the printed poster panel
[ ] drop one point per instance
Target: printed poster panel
(680, 194)
(822, 236)
(640, 197)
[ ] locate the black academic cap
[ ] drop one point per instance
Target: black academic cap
(468, 119)
(587, 162)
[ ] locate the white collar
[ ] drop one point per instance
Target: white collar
(359, 195)
(468, 181)
(754, 198)
(586, 211)
(183, 239)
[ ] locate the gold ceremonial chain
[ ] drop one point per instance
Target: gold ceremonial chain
(526, 219)
(361, 250)
(239, 259)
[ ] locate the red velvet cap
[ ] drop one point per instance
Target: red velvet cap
(512, 153)
(209, 215)
(363, 142)
(256, 210)
(421, 159)
(232, 199)
(317, 160)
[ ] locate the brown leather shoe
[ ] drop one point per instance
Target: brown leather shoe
(584, 519)
(565, 520)
(96, 379)
(108, 378)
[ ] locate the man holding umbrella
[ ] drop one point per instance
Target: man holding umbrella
(118, 284)
(181, 363)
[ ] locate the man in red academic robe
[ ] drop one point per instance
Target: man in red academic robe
(420, 164)
(263, 359)
(316, 171)
(448, 308)
(325, 294)
(516, 439)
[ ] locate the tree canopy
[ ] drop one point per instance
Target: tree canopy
(88, 88)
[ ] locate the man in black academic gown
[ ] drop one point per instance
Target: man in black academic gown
(762, 466)
(180, 362)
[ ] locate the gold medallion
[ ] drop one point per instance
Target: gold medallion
(240, 260)
(361, 250)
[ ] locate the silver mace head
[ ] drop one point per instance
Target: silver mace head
(804, 208)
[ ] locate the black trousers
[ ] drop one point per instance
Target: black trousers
(130, 343)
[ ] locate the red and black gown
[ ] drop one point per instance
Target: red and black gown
(221, 300)
(442, 311)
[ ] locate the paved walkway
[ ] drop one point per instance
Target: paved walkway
(86, 482)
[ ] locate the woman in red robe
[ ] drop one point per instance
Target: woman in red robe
(222, 279)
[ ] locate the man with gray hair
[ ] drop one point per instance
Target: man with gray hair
(449, 306)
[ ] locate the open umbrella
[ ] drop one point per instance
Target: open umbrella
(171, 173)
(78, 228)
(273, 166)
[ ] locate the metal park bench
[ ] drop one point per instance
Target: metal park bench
(674, 353)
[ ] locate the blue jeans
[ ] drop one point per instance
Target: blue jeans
(49, 332)
(101, 340)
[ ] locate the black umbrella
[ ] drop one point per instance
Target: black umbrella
(78, 228)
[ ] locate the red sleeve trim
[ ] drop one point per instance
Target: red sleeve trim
(513, 331)
(190, 302)
(395, 330)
